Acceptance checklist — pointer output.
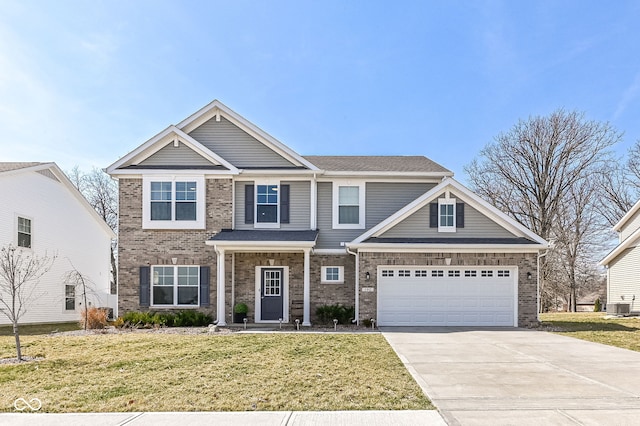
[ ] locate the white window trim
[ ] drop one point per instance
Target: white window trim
(199, 223)
(361, 201)
(256, 224)
(175, 287)
(323, 278)
(15, 231)
(447, 202)
(64, 298)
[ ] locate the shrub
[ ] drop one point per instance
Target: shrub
(327, 313)
(138, 319)
(191, 319)
(240, 308)
(96, 318)
(164, 319)
(597, 305)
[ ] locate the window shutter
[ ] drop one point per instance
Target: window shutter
(248, 203)
(204, 286)
(433, 215)
(284, 203)
(459, 215)
(145, 286)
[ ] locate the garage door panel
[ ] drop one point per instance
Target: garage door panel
(419, 298)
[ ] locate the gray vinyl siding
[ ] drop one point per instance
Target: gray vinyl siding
(236, 146)
(385, 198)
(624, 279)
(299, 206)
(381, 201)
(170, 155)
(475, 225)
(630, 227)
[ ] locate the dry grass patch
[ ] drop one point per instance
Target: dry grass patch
(166, 372)
(620, 332)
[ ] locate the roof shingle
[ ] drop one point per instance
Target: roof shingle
(375, 163)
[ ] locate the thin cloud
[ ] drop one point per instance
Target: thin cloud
(629, 95)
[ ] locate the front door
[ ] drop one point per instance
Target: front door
(271, 289)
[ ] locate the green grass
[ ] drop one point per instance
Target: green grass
(34, 329)
(169, 372)
(620, 332)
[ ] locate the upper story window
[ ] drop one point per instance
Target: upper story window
(348, 205)
(267, 204)
(446, 215)
(24, 232)
(173, 202)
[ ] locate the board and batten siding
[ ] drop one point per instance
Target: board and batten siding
(61, 225)
(630, 227)
(170, 155)
(476, 225)
(299, 206)
(623, 279)
(236, 146)
(382, 199)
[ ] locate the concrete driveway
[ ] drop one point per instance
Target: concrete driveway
(496, 376)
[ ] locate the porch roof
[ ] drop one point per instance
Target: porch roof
(261, 237)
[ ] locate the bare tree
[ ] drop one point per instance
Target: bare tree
(84, 285)
(527, 171)
(20, 272)
(102, 193)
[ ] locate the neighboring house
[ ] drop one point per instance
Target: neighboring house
(214, 211)
(44, 214)
(623, 265)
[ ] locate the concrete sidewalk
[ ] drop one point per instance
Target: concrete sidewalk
(257, 418)
(520, 377)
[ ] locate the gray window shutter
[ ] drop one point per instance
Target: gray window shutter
(433, 215)
(204, 286)
(145, 286)
(459, 215)
(248, 203)
(284, 203)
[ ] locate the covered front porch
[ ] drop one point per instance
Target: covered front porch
(270, 273)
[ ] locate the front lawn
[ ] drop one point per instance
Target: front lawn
(239, 372)
(620, 332)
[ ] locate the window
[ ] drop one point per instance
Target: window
(267, 204)
(421, 273)
(387, 273)
(24, 232)
(173, 202)
(69, 298)
(348, 205)
(486, 273)
(503, 273)
(175, 285)
(438, 273)
(404, 273)
(446, 215)
(470, 273)
(453, 273)
(332, 274)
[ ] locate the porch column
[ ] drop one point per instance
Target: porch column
(306, 319)
(221, 286)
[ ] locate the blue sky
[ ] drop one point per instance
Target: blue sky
(84, 82)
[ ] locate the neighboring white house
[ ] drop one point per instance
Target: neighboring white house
(42, 212)
(623, 266)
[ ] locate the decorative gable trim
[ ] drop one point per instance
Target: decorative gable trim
(620, 248)
(158, 142)
(216, 109)
(466, 195)
(632, 211)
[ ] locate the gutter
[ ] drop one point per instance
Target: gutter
(356, 320)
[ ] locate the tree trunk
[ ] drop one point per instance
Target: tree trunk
(16, 334)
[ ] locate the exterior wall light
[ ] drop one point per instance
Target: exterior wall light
(529, 275)
(367, 276)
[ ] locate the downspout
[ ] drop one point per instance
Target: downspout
(356, 320)
(538, 283)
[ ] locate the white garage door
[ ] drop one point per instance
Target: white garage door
(447, 296)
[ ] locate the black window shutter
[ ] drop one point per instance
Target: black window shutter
(284, 203)
(459, 215)
(433, 215)
(248, 203)
(145, 286)
(204, 286)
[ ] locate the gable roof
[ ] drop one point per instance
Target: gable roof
(378, 163)
(627, 243)
(463, 193)
(16, 168)
(159, 141)
(618, 226)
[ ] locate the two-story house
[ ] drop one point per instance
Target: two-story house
(43, 214)
(214, 211)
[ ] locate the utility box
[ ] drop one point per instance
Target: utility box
(618, 308)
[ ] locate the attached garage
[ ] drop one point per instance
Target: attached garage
(447, 296)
